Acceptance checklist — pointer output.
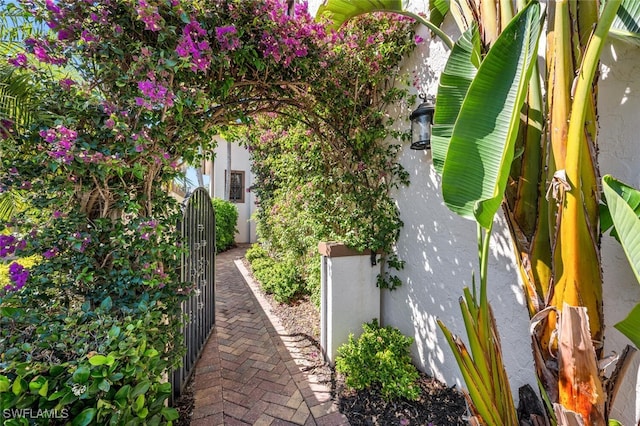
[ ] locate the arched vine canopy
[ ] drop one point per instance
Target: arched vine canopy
(120, 93)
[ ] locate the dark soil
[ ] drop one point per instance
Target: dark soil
(438, 405)
(185, 405)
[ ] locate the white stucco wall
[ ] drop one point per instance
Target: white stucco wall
(619, 139)
(440, 251)
(347, 299)
(239, 161)
(440, 248)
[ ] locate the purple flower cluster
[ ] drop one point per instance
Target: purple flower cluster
(50, 253)
(9, 244)
(81, 241)
(228, 37)
(43, 52)
(18, 61)
(56, 13)
(66, 83)
(193, 44)
(154, 94)
(62, 141)
(291, 36)
(6, 128)
(95, 157)
(146, 228)
(149, 15)
(18, 275)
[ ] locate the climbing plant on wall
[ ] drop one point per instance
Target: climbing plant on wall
(321, 177)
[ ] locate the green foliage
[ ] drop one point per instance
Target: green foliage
(127, 102)
(280, 278)
(90, 365)
(321, 177)
(480, 153)
(380, 356)
(226, 220)
(623, 202)
(255, 252)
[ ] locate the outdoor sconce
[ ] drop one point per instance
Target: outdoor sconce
(421, 120)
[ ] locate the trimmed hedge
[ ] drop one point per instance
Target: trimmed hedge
(280, 278)
(226, 221)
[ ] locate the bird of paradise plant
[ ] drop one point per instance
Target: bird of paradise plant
(548, 190)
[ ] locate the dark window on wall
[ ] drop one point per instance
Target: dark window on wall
(291, 4)
(236, 189)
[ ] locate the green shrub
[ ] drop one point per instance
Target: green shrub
(280, 278)
(91, 366)
(255, 252)
(226, 221)
(379, 356)
(312, 280)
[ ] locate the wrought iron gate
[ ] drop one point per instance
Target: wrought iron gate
(198, 229)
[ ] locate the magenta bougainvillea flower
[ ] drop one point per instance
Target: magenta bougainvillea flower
(19, 61)
(18, 275)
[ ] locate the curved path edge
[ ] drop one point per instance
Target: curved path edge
(250, 370)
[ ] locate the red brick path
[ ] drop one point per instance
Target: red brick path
(247, 375)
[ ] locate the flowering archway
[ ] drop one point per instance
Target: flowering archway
(127, 90)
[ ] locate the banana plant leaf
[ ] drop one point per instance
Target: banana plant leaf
(624, 206)
(340, 11)
(626, 25)
(458, 73)
(438, 9)
(481, 149)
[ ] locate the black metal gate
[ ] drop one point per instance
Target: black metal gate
(198, 229)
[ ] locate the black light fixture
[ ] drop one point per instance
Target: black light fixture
(421, 120)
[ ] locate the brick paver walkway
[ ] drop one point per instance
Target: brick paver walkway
(248, 373)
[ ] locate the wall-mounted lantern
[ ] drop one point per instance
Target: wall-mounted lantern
(421, 120)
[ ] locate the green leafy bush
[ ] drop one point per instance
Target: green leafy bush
(93, 366)
(329, 179)
(380, 356)
(226, 220)
(255, 252)
(278, 277)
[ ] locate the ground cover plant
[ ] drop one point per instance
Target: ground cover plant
(120, 94)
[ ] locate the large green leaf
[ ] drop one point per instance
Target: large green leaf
(438, 9)
(630, 326)
(624, 202)
(481, 149)
(340, 11)
(455, 80)
(626, 25)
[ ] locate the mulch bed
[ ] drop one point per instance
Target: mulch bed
(438, 404)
